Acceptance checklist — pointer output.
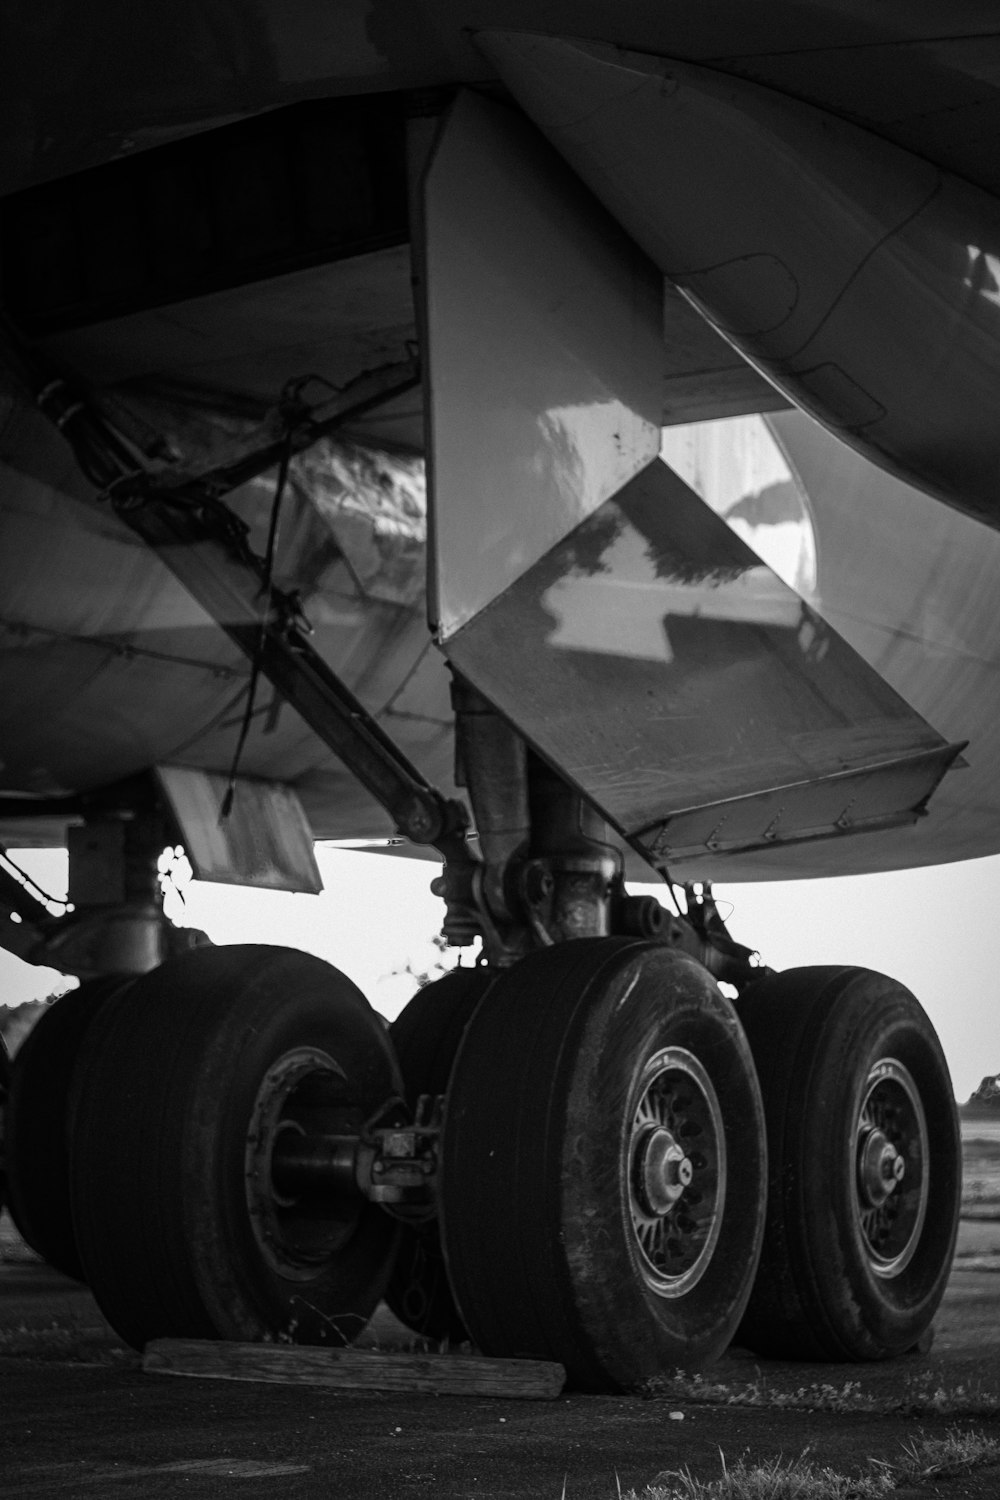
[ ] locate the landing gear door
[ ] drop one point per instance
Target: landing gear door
(582, 587)
(544, 336)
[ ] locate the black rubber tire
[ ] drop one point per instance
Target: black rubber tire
(38, 1112)
(539, 1164)
(180, 1072)
(426, 1036)
(825, 1041)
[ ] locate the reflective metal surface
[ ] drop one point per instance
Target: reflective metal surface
(663, 666)
(738, 468)
(544, 356)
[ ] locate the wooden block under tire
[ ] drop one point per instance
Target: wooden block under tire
(353, 1369)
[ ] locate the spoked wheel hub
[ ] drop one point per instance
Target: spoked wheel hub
(678, 1177)
(892, 1160)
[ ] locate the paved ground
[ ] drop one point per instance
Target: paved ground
(79, 1418)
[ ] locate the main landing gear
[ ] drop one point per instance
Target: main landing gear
(578, 1150)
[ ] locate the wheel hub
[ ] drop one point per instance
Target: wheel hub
(663, 1171)
(892, 1160)
(880, 1168)
(677, 1171)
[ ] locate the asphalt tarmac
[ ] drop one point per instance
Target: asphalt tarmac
(79, 1418)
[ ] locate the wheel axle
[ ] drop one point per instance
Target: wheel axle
(394, 1166)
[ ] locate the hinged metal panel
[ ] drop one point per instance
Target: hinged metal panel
(264, 841)
(544, 355)
(693, 696)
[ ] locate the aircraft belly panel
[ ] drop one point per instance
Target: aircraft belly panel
(544, 354)
(663, 667)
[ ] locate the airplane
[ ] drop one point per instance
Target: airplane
(554, 441)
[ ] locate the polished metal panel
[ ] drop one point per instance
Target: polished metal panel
(859, 278)
(544, 356)
(738, 468)
(663, 667)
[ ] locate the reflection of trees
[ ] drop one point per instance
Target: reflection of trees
(560, 469)
(775, 505)
(686, 541)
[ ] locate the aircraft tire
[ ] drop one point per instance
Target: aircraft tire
(37, 1122)
(855, 1089)
(577, 1227)
(190, 1077)
(426, 1035)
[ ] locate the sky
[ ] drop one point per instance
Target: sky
(936, 930)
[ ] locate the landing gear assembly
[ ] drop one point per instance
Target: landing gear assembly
(578, 1149)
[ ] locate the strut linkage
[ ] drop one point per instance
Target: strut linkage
(720, 954)
(205, 545)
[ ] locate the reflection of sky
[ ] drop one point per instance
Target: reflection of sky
(738, 469)
(588, 450)
(625, 609)
(984, 274)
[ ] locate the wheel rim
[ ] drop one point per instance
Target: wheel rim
(891, 1167)
(301, 1095)
(677, 1172)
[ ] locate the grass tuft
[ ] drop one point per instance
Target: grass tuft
(939, 1457)
(779, 1479)
(923, 1459)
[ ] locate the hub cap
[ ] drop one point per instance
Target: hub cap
(677, 1172)
(891, 1167)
